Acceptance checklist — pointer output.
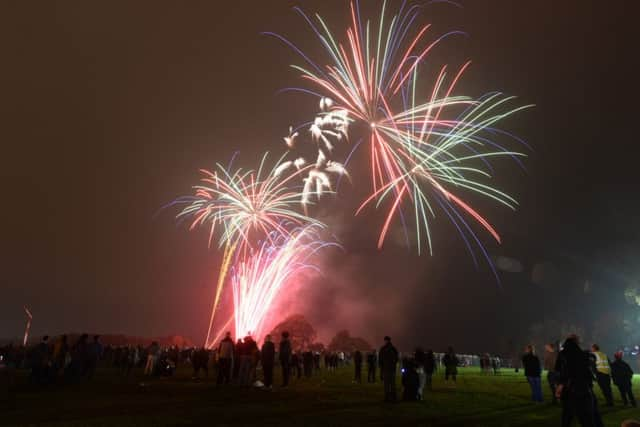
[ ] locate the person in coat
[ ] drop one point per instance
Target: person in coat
(622, 375)
(388, 358)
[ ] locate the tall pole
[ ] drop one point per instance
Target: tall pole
(28, 327)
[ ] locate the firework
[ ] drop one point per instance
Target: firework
(257, 279)
(450, 156)
(428, 148)
(244, 202)
(365, 79)
(424, 149)
(246, 205)
(328, 128)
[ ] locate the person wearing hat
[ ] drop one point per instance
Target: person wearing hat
(388, 357)
(622, 375)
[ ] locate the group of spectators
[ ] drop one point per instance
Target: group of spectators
(52, 362)
(571, 373)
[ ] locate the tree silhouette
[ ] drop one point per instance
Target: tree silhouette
(343, 341)
(301, 333)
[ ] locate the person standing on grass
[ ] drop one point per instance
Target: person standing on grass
(603, 373)
(225, 359)
(40, 361)
(575, 385)
(267, 356)
(357, 363)
(429, 368)
(371, 366)
(285, 358)
(622, 375)
(247, 353)
(235, 369)
(450, 362)
(201, 362)
(79, 354)
(307, 363)
(95, 353)
(295, 363)
(152, 357)
(550, 357)
(388, 357)
(60, 350)
(531, 364)
(420, 359)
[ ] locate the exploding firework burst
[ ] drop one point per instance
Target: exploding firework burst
(428, 149)
(424, 149)
(246, 205)
(258, 278)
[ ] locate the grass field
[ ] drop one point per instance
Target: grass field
(327, 399)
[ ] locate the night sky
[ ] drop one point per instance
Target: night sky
(110, 108)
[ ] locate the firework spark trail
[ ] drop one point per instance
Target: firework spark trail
(258, 278)
(244, 201)
(328, 128)
(427, 148)
(229, 250)
(246, 204)
(422, 148)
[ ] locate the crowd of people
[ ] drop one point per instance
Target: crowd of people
(571, 371)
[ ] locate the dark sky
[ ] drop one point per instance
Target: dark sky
(110, 108)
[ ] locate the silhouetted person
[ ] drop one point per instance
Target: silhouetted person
(316, 361)
(603, 373)
(307, 363)
(95, 352)
(200, 362)
(372, 362)
(236, 360)
(247, 356)
(388, 358)
(225, 359)
(268, 355)
(128, 360)
(6, 380)
(622, 375)
(284, 354)
(550, 357)
(60, 350)
(450, 362)
(429, 368)
(531, 364)
(357, 363)
(79, 356)
(296, 363)
(420, 359)
(40, 361)
(152, 358)
(410, 380)
(575, 385)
